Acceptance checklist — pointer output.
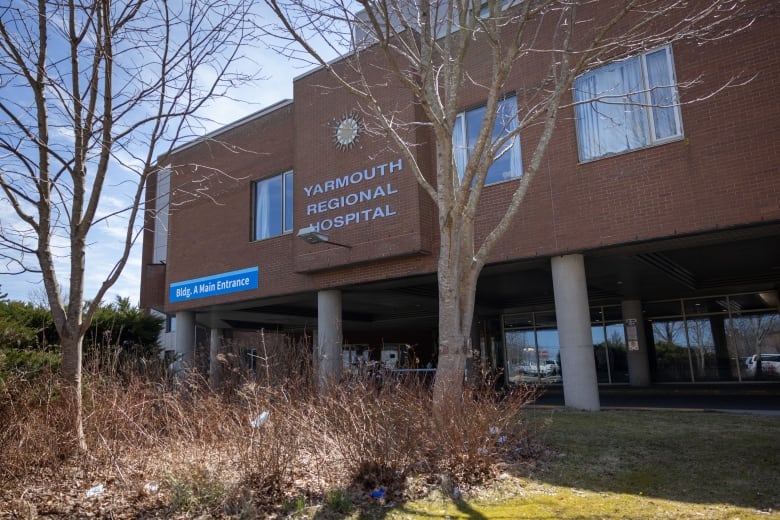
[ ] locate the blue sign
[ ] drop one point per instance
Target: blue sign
(223, 283)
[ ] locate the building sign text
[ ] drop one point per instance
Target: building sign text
(376, 196)
(214, 285)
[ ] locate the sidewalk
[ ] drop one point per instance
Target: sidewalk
(762, 397)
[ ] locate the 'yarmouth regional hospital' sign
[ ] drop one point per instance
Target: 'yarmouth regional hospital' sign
(214, 285)
(369, 196)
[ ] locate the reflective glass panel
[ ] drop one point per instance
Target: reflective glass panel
(671, 351)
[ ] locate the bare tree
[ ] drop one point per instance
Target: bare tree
(92, 93)
(701, 342)
(751, 333)
(668, 332)
(426, 46)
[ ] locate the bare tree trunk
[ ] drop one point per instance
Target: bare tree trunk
(450, 373)
(72, 348)
(455, 316)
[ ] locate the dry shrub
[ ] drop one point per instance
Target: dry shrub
(33, 424)
(208, 456)
(270, 448)
(372, 437)
(474, 436)
(369, 439)
(267, 359)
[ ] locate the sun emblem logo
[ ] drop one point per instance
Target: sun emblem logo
(347, 131)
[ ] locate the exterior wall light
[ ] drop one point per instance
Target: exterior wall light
(312, 236)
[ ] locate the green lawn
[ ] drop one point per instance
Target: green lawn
(634, 464)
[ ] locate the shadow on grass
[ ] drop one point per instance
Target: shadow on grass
(691, 457)
(466, 509)
(403, 510)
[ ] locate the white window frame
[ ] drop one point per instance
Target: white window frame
(585, 106)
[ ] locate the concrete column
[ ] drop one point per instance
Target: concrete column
(214, 369)
(185, 341)
(578, 362)
(329, 337)
(636, 343)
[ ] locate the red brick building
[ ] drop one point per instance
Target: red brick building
(677, 224)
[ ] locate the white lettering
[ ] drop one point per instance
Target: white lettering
(355, 177)
(232, 284)
(354, 217)
(351, 199)
(396, 166)
(183, 292)
(344, 206)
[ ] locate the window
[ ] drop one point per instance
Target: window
(508, 162)
(273, 206)
(627, 105)
(503, 4)
(160, 253)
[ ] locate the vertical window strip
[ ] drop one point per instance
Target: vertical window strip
(459, 151)
(288, 202)
(661, 94)
(161, 207)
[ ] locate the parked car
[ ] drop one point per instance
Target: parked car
(546, 367)
(550, 367)
(770, 365)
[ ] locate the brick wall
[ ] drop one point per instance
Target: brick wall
(722, 174)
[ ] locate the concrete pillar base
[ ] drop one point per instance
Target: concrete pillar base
(578, 362)
(185, 342)
(329, 338)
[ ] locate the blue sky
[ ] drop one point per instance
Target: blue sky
(105, 239)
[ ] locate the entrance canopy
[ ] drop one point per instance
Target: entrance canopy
(730, 261)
